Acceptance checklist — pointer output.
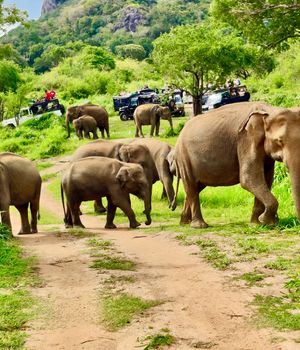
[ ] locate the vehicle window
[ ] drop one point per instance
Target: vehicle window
(177, 98)
(214, 98)
(134, 101)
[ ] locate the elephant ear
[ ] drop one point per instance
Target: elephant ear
(261, 113)
(122, 176)
(124, 154)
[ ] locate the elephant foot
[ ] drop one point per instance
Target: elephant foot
(267, 219)
(79, 225)
(25, 232)
(148, 222)
(68, 226)
(185, 221)
(110, 226)
(34, 230)
(134, 224)
(100, 210)
(198, 224)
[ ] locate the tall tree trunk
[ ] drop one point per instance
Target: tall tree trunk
(197, 97)
(197, 105)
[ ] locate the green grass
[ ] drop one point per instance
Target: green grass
(113, 263)
(276, 312)
(279, 263)
(16, 272)
(48, 177)
(44, 165)
(252, 278)
(213, 254)
(120, 310)
(159, 340)
(99, 243)
(113, 280)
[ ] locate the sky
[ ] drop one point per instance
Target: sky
(33, 7)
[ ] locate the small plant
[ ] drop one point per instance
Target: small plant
(212, 253)
(252, 278)
(99, 243)
(280, 264)
(119, 311)
(158, 341)
(113, 263)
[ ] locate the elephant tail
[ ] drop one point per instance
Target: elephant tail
(174, 202)
(63, 202)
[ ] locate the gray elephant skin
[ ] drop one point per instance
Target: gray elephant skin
(94, 177)
(20, 186)
(239, 144)
(153, 156)
(100, 148)
(150, 114)
(97, 112)
(84, 126)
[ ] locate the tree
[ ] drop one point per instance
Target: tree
(9, 76)
(10, 15)
(134, 51)
(268, 23)
(191, 56)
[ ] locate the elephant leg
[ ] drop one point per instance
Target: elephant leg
(167, 180)
(68, 219)
(186, 215)
(5, 217)
(98, 206)
(95, 135)
(25, 226)
(152, 128)
(140, 131)
(259, 207)
(87, 134)
(74, 209)
(111, 212)
(34, 208)
(102, 132)
(107, 131)
(136, 131)
(157, 125)
(123, 202)
(192, 198)
(254, 179)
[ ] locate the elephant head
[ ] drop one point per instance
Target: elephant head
(72, 113)
(132, 178)
(164, 113)
(281, 130)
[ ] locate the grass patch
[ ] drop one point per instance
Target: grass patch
(279, 264)
(277, 312)
(44, 165)
(119, 311)
(112, 280)
(252, 245)
(252, 278)
(113, 263)
(99, 243)
(48, 177)
(159, 340)
(213, 254)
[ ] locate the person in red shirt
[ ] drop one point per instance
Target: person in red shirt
(48, 95)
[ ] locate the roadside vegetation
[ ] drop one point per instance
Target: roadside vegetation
(16, 303)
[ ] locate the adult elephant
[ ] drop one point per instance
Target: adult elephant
(239, 144)
(84, 126)
(153, 156)
(94, 177)
(97, 112)
(150, 114)
(100, 148)
(20, 186)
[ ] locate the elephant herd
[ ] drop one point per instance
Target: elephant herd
(237, 143)
(88, 118)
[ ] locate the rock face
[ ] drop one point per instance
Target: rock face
(49, 5)
(131, 18)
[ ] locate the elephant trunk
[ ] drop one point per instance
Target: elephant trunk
(68, 125)
(147, 203)
(294, 170)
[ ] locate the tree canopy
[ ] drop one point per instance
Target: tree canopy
(10, 15)
(264, 22)
(192, 56)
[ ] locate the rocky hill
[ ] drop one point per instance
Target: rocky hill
(103, 23)
(50, 5)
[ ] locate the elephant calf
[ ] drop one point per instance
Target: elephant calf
(150, 114)
(20, 185)
(94, 177)
(85, 125)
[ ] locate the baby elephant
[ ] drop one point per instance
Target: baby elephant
(94, 177)
(85, 124)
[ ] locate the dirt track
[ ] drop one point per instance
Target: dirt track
(200, 306)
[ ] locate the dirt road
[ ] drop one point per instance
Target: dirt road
(200, 306)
